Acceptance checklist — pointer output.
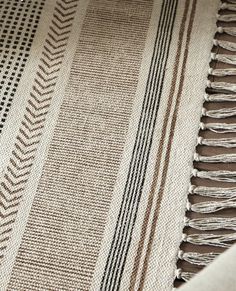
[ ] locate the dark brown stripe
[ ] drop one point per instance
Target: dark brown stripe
(167, 158)
(158, 160)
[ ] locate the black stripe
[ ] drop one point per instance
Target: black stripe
(145, 130)
(132, 194)
(138, 175)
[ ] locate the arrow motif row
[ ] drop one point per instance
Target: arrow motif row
(22, 158)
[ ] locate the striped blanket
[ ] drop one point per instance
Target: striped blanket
(117, 142)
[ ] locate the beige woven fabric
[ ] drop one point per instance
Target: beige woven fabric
(97, 141)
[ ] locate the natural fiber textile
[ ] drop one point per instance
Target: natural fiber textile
(113, 133)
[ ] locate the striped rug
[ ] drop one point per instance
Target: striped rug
(117, 142)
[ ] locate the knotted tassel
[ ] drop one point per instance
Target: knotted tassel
(220, 142)
(221, 86)
(222, 72)
(230, 46)
(219, 113)
(214, 192)
(220, 97)
(211, 223)
(227, 6)
(224, 158)
(217, 240)
(186, 276)
(226, 17)
(197, 258)
(227, 59)
(227, 30)
(220, 176)
(219, 127)
(211, 206)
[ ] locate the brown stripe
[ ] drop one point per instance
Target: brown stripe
(158, 160)
(167, 158)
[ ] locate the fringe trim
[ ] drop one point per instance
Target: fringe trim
(213, 192)
(222, 72)
(225, 158)
(221, 86)
(186, 276)
(210, 239)
(230, 46)
(221, 142)
(226, 59)
(218, 198)
(227, 30)
(227, 6)
(197, 258)
(220, 176)
(227, 17)
(220, 113)
(211, 223)
(220, 98)
(211, 206)
(219, 127)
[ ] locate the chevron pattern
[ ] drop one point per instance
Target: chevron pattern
(22, 158)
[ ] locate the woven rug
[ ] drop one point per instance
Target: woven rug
(117, 143)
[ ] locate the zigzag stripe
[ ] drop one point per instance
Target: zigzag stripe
(14, 180)
(44, 87)
(52, 59)
(61, 20)
(51, 65)
(57, 32)
(54, 46)
(64, 14)
(48, 73)
(61, 27)
(57, 40)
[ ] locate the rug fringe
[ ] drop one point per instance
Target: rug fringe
(222, 72)
(228, 6)
(214, 192)
(221, 86)
(219, 127)
(220, 97)
(219, 176)
(211, 206)
(186, 276)
(197, 258)
(223, 58)
(230, 46)
(227, 30)
(220, 142)
(219, 113)
(209, 239)
(215, 198)
(224, 158)
(211, 223)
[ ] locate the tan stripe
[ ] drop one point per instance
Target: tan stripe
(167, 158)
(157, 166)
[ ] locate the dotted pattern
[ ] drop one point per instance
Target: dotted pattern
(18, 23)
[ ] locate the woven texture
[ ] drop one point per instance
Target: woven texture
(101, 105)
